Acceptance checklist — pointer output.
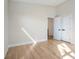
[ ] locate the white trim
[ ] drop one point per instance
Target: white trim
(5, 53)
(19, 44)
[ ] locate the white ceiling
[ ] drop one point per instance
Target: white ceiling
(43, 2)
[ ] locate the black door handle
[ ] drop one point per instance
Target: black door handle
(63, 29)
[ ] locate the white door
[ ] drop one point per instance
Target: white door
(57, 28)
(63, 28)
(66, 28)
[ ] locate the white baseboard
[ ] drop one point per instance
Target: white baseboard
(18, 44)
(5, 52)
(25, 43)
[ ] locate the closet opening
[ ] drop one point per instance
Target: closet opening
(50, 28)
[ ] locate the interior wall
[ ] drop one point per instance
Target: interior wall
(67, 10)
(28, 22)
(5, 26)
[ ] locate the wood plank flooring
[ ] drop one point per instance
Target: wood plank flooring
(51, 49)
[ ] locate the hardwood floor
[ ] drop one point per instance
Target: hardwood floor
(51, 49)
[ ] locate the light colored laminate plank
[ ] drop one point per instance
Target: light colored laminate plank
(51, 49)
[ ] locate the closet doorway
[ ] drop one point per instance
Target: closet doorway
(50, 28)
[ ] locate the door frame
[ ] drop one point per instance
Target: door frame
(48, 26)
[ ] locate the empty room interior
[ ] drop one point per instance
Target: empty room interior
(39, 29)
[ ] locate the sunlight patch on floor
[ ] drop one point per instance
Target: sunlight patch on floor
(65, 51)
(72, 54)
(67, 57)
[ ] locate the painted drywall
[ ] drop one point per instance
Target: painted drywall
(5, 26)
(66, 11)
(28, 22)
(43, 2)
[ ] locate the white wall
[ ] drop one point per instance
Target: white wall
(28, 22)
(67, 10)
(5, 26)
